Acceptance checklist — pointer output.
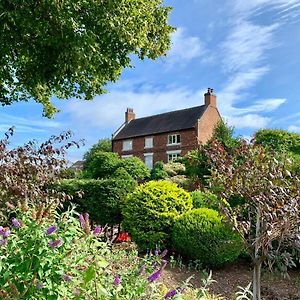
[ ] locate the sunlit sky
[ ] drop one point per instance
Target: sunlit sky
(248, 51)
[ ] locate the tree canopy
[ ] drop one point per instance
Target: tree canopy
(73, 48)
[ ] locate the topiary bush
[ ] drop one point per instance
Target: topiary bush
(200, 235)
(150, 212)
(204, 200)
(102, 199)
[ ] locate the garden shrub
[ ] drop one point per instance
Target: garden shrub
(101, 165)
(158, 172)
(201, 235)
(102, 199)
(135, 167)
(150, 212)
(204, 200)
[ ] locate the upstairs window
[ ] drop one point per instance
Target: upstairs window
(174, 139)
(127, 145)
(148, 142)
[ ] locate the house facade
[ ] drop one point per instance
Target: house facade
(166, 136)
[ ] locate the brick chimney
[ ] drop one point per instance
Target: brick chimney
(129, 115)
(210, 98)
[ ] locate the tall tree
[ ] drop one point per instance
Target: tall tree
(269, 217)
(73, 48)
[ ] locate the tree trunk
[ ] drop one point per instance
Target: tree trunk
(257, 259)
(256, 281)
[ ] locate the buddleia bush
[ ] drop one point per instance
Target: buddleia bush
(150, 212)
(201, 235)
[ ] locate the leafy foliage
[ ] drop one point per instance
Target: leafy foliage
(150, 212)
(281, 141)
(103, 145)
(74, 48)
(101, 165)
(102, 199)
(158, 172)
(204, 200)
(270, 191)
(200, 235)
(28, 172)
(278, 140)
(135, 167)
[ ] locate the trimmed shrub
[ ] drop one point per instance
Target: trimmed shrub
(150, 212)
(102, 199)
(204, 200)
(135, 167)
(201, 235)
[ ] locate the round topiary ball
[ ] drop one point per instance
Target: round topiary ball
(150, 212)
(201, 235)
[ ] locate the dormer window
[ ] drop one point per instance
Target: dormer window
(127, 145)
(148, 142)
(174, 139)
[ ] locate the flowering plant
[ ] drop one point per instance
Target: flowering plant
(52, 256)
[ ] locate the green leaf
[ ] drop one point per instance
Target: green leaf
(89, 274)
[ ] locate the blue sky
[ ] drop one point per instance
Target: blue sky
(248, 51)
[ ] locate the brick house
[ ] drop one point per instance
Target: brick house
(166, 136)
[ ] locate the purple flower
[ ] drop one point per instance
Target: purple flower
(3, 242)
(156, 252)
(82, 221)
(4, 232)
(55, 243)
(51, 229)
(98, 229)
(154, 276)
(86, 217)
(170, 294)
(66, 278)
(16, 223)
(117, 280)
(40, 285)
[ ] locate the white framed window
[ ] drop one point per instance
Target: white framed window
(126, 156)
(174, 139)
(148, 142)
(127, 145)
(173, 155)
(149, 160)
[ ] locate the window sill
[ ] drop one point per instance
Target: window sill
(177, 144)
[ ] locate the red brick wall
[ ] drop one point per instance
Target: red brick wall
(207, 123)
(189, 142)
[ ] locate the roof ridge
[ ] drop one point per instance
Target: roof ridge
(168, 112)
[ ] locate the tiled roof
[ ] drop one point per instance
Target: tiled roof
(166, 122)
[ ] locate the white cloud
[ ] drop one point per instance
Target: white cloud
(252, 121)
(184, 48)
(246, 45)
(265, 105)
